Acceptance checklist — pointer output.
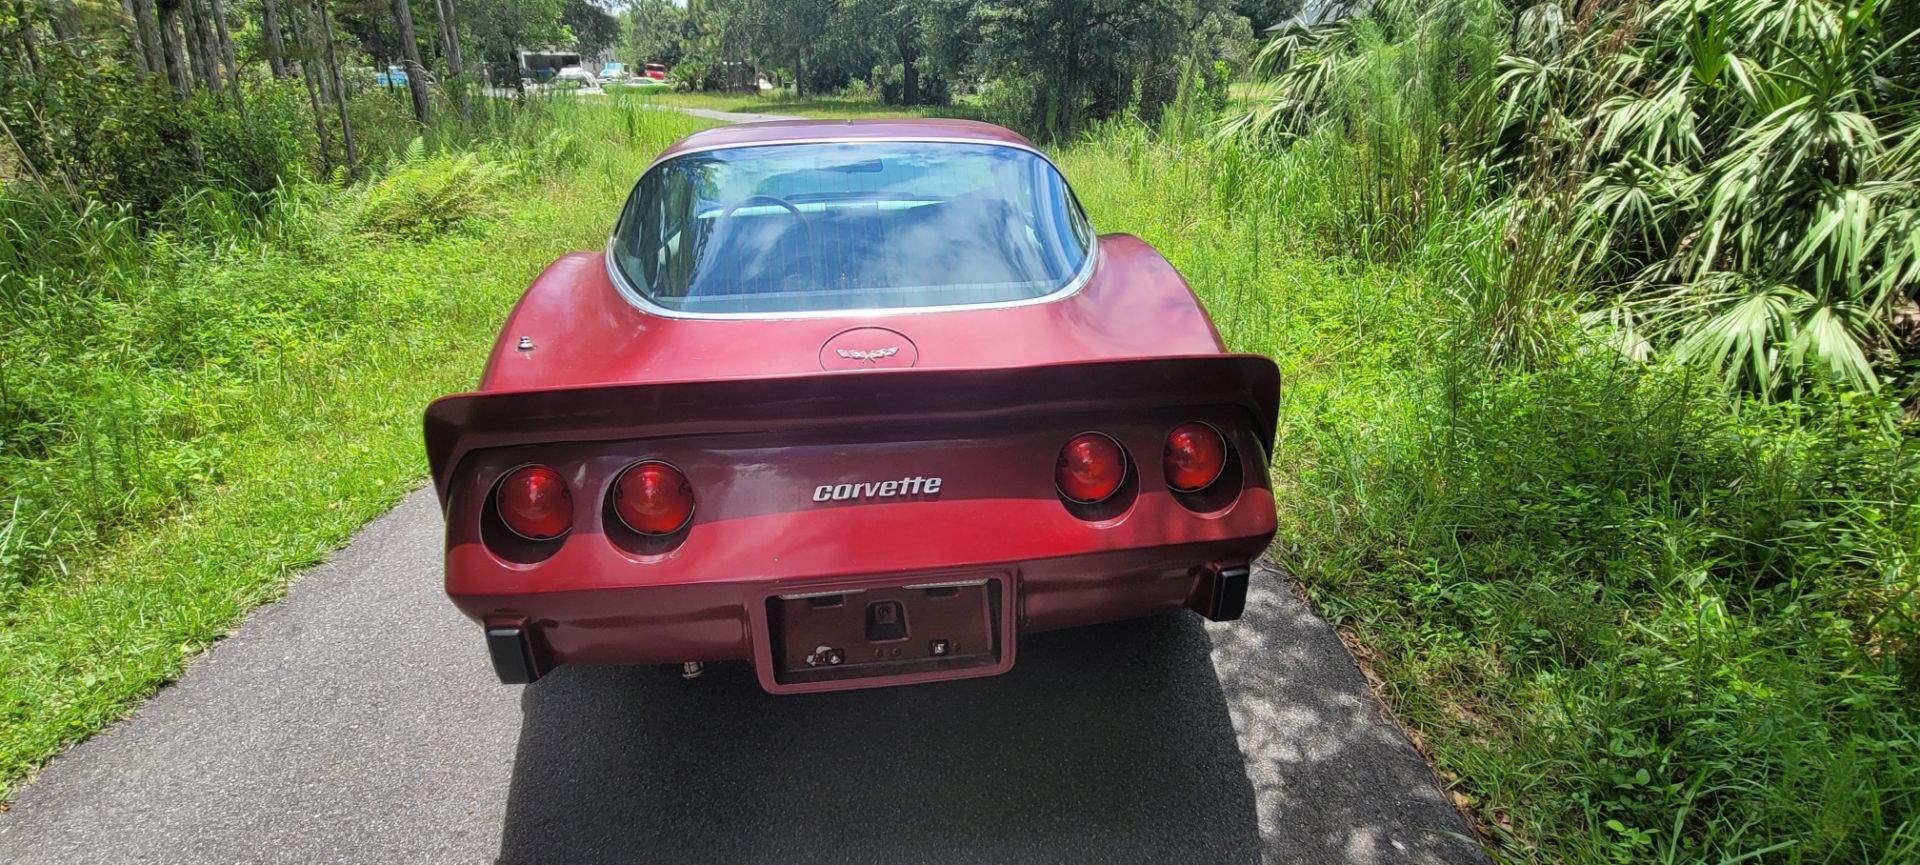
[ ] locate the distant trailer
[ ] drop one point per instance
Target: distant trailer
(546, 62)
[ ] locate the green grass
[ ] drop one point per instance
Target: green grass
(1628, 621)
(287, 405)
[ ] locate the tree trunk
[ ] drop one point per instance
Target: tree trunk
(169, 26)
(207, 44)
(909, 73)
(416, 73)
(199, 52)
(276, 43)
(26, 41)
(189, 58)
(23, 30)
(309, 72)
(149, 35)
(339, 90)
(219, 14)
(136, 37)
(450, 44)
(513, 59)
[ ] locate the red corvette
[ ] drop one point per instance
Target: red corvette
(859, 403)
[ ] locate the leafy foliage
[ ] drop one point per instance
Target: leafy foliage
(420, 195)
(654, 31)
(1086, 61)
(1629, 621)
(1047, 68)
(196, 405)
(1739, 176)
(503, 27)
(92, 127)
(592, 28)
(1745, 176)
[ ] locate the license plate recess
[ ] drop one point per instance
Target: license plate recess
(920, 627)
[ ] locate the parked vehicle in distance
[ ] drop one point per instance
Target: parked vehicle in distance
(575, 78)
(613, 71)
(394, 76)
(656, 71)
(860, 403)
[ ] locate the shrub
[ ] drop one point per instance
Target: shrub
(422, 195)
(97, 130)
(1739, 179)
(1014, 101)
(197, 402)
(135, 329)
(689, 75)
(1631, 620)
(256, 152)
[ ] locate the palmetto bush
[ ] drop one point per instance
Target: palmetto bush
(1751, 174)
(1740, 178)
(1631, 618)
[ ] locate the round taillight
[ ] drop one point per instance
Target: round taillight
(653, 499)
(1195, 456)
(534, 503)
(1091, 468)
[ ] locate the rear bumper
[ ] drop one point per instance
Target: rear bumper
(530, 634)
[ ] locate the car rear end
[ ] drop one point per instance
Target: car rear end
(852, 529)
(859, 403)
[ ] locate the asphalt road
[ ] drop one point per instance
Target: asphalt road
(357, 721)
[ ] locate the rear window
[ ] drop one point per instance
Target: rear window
(849, 226)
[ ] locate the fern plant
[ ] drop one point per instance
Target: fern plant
(421, 195)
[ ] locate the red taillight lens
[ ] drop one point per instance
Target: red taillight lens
(653, 499)
(534, 503)
(1091, 468)
(1195, 455)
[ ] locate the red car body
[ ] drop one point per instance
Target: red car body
(850, 465)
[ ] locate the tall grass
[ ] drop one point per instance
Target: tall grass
(1629, 619)
(200, 402)
(135, 341)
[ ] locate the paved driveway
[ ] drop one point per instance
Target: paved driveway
(356, 721)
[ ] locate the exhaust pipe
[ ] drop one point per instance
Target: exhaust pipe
(512, 655)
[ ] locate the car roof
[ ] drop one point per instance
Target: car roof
(804, 131)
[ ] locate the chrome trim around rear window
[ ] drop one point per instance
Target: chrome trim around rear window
(639, 299)
(633, 296)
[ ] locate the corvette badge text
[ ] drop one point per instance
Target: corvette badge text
(913, 486)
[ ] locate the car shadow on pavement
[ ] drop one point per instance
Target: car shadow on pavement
(1104, 744)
